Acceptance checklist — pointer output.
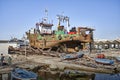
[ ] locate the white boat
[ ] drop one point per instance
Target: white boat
(118, 59)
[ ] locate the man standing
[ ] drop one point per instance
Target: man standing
(2, 59)
(9, 60)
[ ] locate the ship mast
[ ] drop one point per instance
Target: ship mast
(45, 19)
(67, 20)
(62, 18)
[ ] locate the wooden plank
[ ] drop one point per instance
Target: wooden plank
(5, 70)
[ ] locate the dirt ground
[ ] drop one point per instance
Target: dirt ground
(55, 63)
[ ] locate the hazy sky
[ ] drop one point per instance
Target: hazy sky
(18, 16)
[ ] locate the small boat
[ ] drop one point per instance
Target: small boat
(22, 74)
(104, 61)
(118, 59)
(72, 56)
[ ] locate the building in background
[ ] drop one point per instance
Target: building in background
(107, 44)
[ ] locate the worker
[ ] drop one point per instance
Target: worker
(9, 60)
(2, 59)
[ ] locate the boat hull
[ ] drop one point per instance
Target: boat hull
(104, 61)
(67, 42)
(22, 74)
(72, 56)
(118, 59)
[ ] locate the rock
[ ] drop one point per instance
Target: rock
(53, 67)
(31, 67)
(53, 72)
(61, 67)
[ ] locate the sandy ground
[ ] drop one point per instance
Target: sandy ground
(56, 63)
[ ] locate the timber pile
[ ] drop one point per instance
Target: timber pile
(28, 50)
(32, 51)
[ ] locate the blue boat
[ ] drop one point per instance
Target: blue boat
(22, 74)
(118, 59)
(104, 61)
(72, 56)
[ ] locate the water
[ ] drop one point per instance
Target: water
(99, 76)
(57, 76)
(4, 47)
(54, 75)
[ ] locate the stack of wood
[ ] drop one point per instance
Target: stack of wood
(32, 51)
(28, 50)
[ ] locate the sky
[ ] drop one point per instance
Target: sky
(18, 16)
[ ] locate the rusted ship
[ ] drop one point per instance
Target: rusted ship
(63, 39)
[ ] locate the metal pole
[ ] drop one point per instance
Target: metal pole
(25, 46)
(24, 39)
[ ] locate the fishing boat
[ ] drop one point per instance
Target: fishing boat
(22, 74)
(43, 37)
(104, 61)
(118, 59)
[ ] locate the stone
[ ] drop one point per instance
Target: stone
(53, 67)
(61, 67)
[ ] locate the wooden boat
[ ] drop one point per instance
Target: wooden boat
(22, 74)
(104, 61)
(118, 59)
(72, 56)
